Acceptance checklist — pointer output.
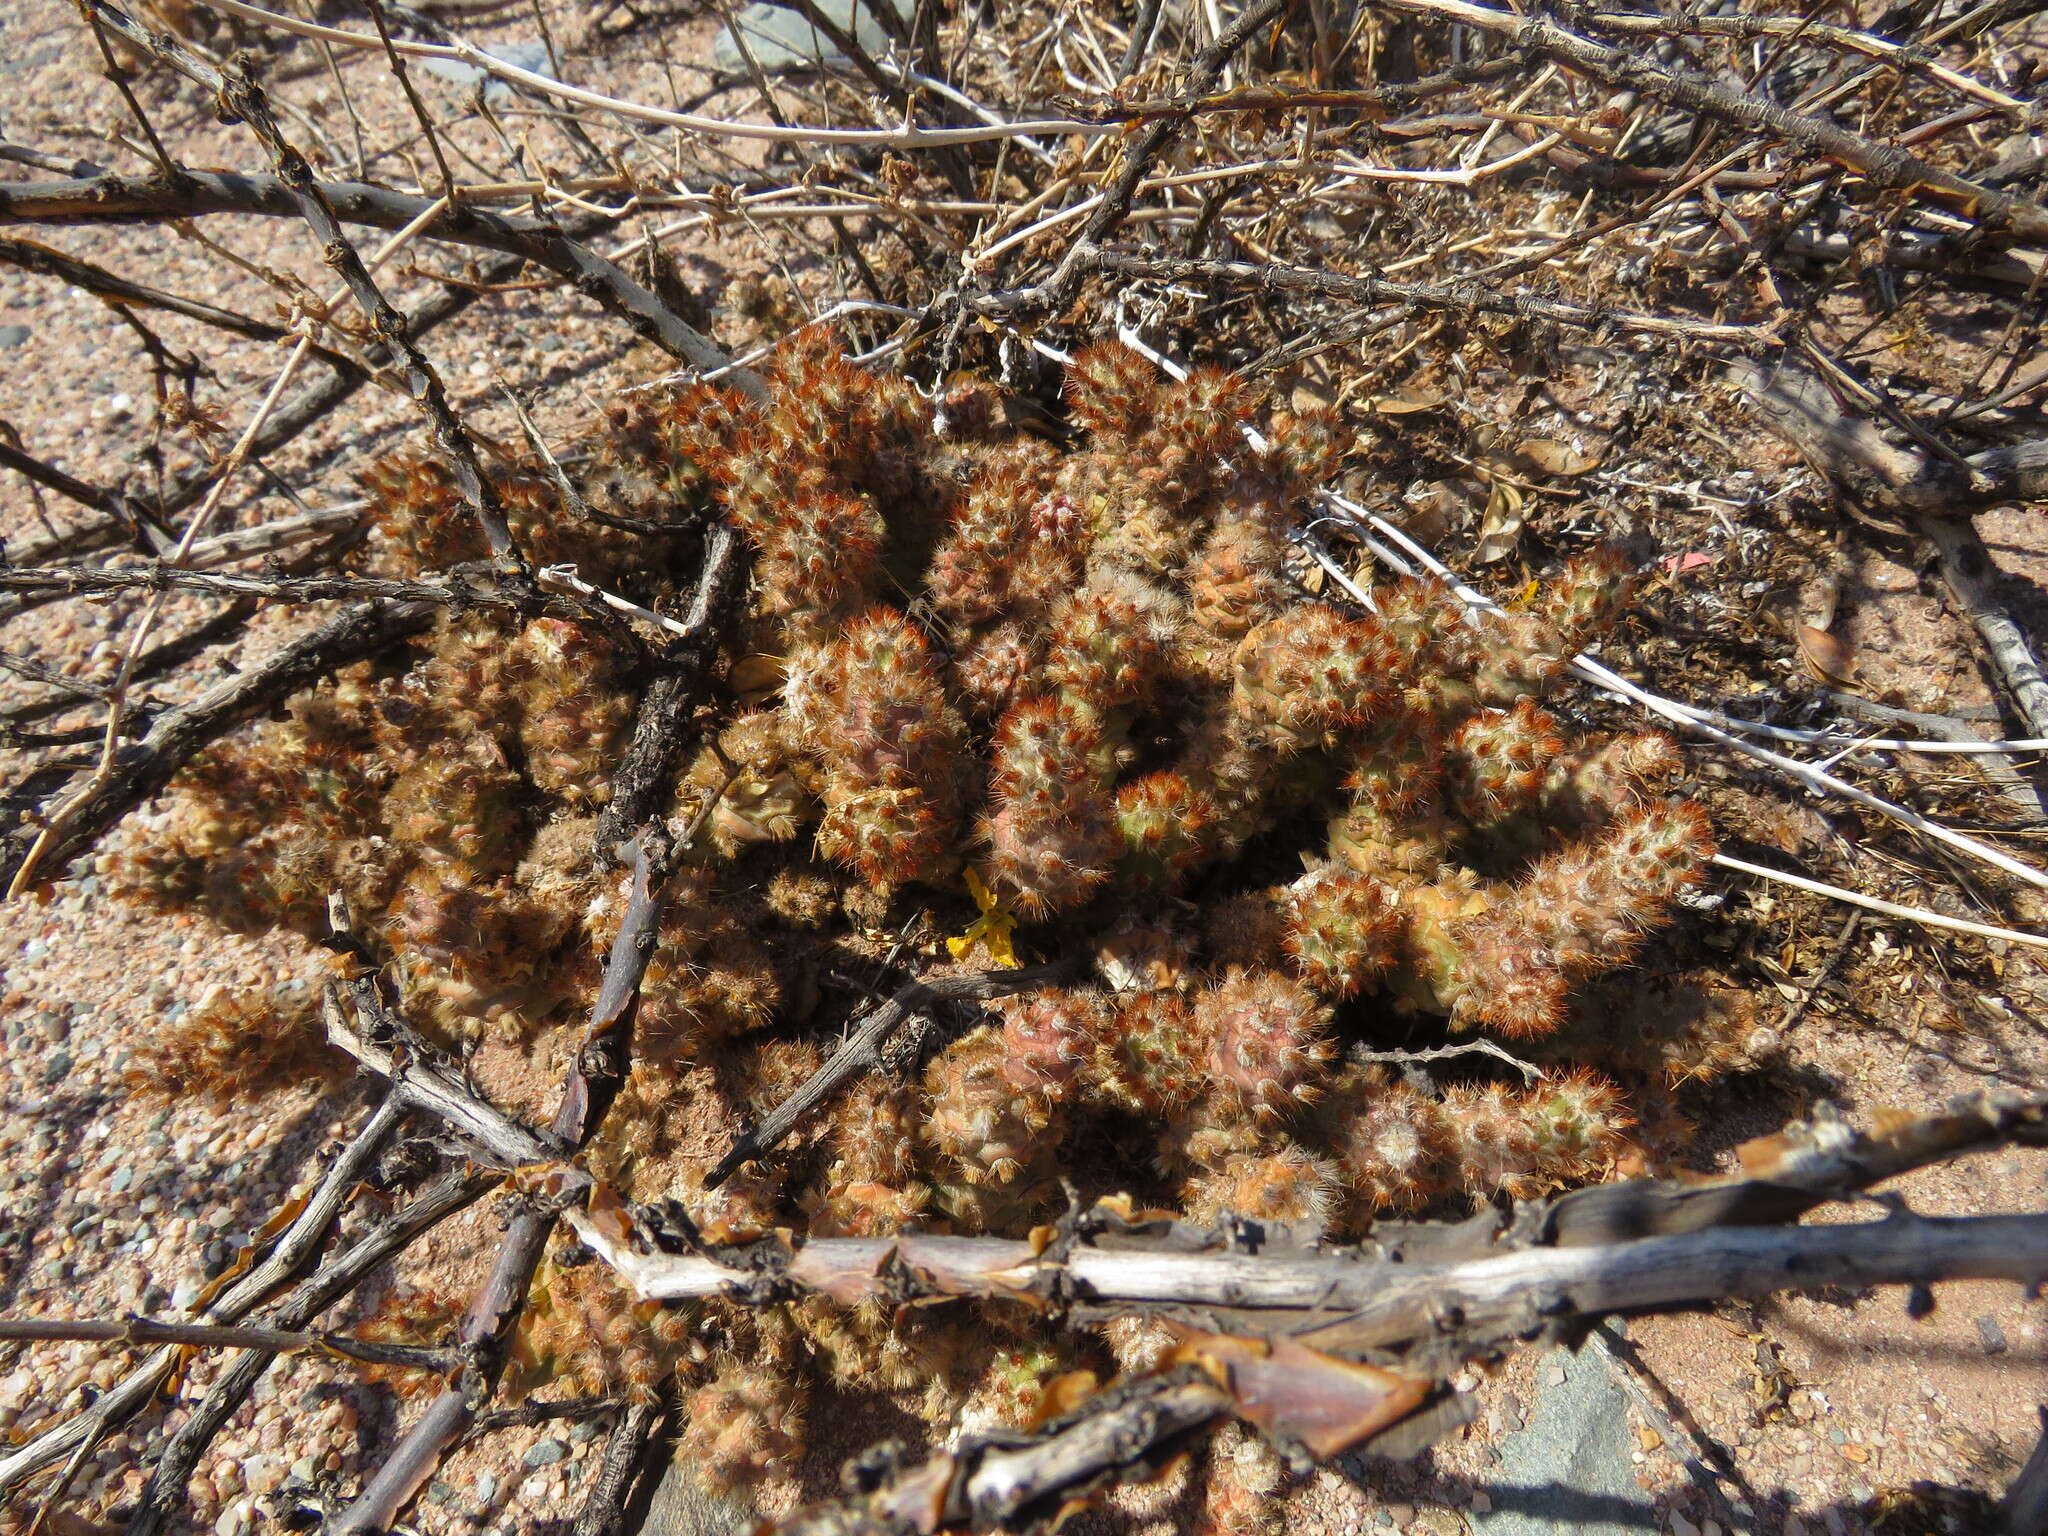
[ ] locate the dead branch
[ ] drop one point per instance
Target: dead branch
(661, 719)
(1371, 1304)
(422, 1082)
(284, 424)
(1635, 69)
(1365, 1056)
(32, 586)
(537, 1410)
(596, 1070)
(618, 1474)
(1125, 1432)
(241, 99)
(451, 1192)
(864, 1050)
(275, 1341)
(179, 734)
(1057, 291)
(112, 198)
(125, 517)
(294, 1247)
(1933, 493)
(31, 257)
(1454, 297)
(1642, 1242)
(462, 589)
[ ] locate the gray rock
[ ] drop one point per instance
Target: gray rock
(13, 335)
(527, 55)
(1569, 1470)
(545, 1453)
(783, 39)
(1991, 1334)
(681, 1507)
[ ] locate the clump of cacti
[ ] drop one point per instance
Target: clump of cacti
(1076, 686)
(232, 1045)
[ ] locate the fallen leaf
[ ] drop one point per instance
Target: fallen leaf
(1404, 401)
(1549, 456)
(1827, 658)
(1501, 530)
(1292, 1393)
(608, 1213)
(1440, 505)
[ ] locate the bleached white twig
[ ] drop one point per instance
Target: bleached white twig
(1878, 904)
(563, 578)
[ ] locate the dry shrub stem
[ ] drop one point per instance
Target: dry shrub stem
(446, 1194)
(115, 198)
(144, 768)
(662, 731)
(1932, 494)
(871, 1044)
(294, 1247)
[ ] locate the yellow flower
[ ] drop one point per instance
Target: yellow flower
(991, 930)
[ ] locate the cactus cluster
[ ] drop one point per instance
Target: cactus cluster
(1074, 679)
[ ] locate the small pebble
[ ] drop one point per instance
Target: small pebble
(1511, 1410)
(486, 1488)
(1992, 1335)
(264, 1474)
(546, 1453)
(1680, 1526)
